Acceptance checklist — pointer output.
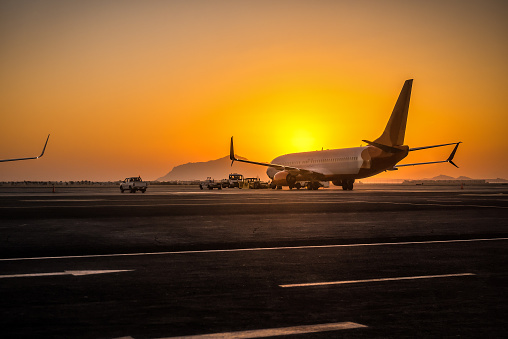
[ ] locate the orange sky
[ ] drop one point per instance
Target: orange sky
(137, 87)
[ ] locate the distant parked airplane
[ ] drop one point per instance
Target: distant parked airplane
(342, 166)
(4, 160)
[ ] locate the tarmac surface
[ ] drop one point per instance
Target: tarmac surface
(379, 261)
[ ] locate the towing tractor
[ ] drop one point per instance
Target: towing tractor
(235, 179)
(253, 183)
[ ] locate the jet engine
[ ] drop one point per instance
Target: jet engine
(284, 178)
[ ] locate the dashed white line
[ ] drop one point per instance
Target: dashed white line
(259, 249)
(272, 332)
(376, 280)
(73, 273)
(426, 204)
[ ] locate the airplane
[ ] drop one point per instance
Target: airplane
(5, 160)
(345, 165)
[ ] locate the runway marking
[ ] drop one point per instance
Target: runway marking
(272, 332)
(258, 249)
(73, 273)
(331, 202)
(426, 204)
(63, 200)
(483, 194)
(376, 280)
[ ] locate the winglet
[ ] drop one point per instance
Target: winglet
(44, 149)
(450, 158)
(232, 152)
(30, 158)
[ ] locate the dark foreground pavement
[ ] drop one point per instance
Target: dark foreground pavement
(404, 262)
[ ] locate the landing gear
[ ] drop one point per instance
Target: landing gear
(347, 184)
(313, 185)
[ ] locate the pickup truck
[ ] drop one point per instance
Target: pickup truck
(133, 184)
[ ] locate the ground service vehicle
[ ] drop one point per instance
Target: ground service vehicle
(235, 179)
(224, 183)
(133, 184)
(210, 184)
(253, 183)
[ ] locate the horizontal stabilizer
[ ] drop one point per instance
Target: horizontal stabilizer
(385, 148)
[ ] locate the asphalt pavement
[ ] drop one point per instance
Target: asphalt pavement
(380, 261)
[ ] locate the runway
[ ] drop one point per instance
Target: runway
(380, 261)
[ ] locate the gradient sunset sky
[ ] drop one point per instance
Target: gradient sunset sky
(137, 87)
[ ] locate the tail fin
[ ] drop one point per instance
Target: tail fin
(395, 129)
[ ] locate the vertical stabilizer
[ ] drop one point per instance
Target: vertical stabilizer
(393, 134)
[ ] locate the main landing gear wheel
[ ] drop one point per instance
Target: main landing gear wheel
(347, 185)
(313, 185)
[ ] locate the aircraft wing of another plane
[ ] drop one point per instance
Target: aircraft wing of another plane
(294, 170)
(450, 158)
(30, 158)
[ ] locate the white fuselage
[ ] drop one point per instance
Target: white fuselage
(344, 161)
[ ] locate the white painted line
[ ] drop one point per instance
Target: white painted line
(272, 332)
(211, 204)
(74, 273)
(424, 204)
(376, 280)
(63, 200)
(258, 249)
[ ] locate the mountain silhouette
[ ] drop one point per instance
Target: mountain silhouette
(443, 177)
(216, 169)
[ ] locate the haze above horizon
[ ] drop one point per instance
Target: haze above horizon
(137, 88)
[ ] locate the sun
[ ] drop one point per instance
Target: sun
(302, 141)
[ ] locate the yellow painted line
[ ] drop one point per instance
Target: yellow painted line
(272, 332)
(377, 280)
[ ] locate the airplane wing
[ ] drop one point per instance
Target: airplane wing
(293, 170)
(427, 147)
(450, 158)
(5, 160)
